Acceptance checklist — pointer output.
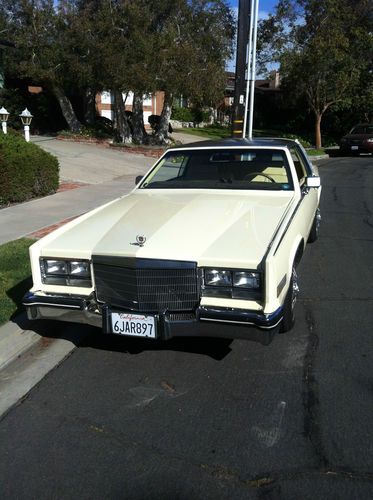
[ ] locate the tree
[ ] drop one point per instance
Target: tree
(319, 48)
(40, 53)
(193, 41)
(79, 47)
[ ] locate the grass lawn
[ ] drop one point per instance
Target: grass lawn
(315, 152)
(207, 132)
(15, 277)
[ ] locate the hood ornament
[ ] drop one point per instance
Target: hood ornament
(140, 240)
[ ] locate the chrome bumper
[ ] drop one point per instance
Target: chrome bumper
(204, 322)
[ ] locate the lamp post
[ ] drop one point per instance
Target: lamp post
(26, 118)
(4, 115)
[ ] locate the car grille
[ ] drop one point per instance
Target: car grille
(146, 285)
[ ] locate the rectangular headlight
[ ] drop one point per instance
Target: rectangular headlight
(218, 277)
(230, 283)
(79, 269)
(55, 267)
(245, 279)
(66, 272)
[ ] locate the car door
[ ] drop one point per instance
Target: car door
(309, 196)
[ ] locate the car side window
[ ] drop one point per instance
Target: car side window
(299, 164)
(171, 167)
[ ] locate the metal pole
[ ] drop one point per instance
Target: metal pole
(253, 70)
(240, 84)
(27, 133)
(249, 58)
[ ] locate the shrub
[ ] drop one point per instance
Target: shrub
(182, 114)
(195, 115)
(101, 129)
(26, 171)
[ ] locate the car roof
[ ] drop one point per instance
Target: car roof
(236, 143)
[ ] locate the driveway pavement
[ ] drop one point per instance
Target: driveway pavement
(92, 163)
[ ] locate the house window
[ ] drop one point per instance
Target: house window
(105, 97)
(107, 113)
(147, 100)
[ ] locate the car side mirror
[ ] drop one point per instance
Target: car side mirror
(139, 178)
(313, 182)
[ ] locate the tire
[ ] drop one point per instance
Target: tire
(288, 319)
(315, 229)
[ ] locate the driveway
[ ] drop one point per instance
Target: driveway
(92, 163)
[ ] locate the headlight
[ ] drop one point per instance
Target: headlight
(370, 139)
(66, 272)
(80, 268)
(231, 284)
(55, 267)
(245, 279)
(218, 277)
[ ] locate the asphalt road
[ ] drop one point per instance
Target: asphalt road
(201, 419)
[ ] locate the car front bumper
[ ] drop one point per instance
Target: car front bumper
(205, 321)
(356, 147)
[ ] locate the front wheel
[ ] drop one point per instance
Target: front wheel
(288, 319)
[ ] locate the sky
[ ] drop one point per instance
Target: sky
(265, 7)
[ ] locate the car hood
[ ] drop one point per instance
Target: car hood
(357, 137)
(208, 227)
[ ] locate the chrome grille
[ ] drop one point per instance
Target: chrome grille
(146, 285)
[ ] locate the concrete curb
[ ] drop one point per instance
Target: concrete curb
(319, 157)
(15, 340)
(26, 357)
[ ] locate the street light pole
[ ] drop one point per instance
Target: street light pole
(26, 118)
(4, 115)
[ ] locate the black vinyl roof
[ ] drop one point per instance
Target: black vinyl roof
(232, 142)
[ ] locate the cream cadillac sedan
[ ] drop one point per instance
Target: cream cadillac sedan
(207, 244)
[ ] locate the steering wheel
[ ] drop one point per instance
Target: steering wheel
(254, 174)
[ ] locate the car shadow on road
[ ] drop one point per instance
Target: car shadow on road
(85, 336)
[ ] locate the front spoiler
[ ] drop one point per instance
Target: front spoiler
(206, 321)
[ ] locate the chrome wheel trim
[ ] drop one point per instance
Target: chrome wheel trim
(294, 289)
(318, 220)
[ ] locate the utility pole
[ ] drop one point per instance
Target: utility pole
(238, 115)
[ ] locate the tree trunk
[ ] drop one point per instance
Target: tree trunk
(90, 106)
(139, 134)
(67, 109)
(318, 117)
(161, 134)
(120, 120)
(213, 115)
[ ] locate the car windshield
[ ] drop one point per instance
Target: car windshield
(221, 169)
(362, 129)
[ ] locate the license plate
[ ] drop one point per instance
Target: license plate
(134, 325)
(355, 147)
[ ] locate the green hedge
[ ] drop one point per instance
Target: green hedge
(194, 115)
(26, 170)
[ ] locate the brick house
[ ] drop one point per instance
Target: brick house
(153, 104)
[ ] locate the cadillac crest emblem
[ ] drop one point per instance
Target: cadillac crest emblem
(140, 240)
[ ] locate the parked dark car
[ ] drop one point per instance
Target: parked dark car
(359, 140)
